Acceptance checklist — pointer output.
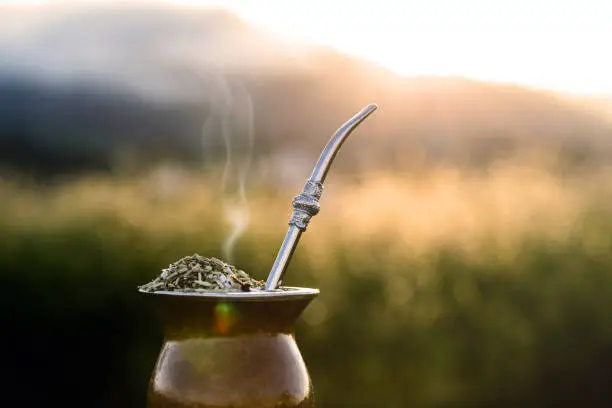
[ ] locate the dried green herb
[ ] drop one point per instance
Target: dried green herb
(196, 273)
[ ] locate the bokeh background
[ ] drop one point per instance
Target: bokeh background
(463, 250)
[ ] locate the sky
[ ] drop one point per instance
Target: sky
(561, 45)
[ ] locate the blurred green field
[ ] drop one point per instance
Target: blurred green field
(439, 288)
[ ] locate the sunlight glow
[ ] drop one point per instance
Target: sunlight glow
(559, 45)
(549, 44)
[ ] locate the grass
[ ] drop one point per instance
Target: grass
(439, 289)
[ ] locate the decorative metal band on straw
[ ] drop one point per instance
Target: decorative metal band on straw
(306, 204)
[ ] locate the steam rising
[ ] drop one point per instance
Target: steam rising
(231, 119)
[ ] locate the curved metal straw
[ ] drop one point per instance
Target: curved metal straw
(306, 205)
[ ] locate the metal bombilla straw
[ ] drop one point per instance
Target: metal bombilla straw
(306, 204)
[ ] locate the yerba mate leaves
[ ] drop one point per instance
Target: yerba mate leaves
(196, 273)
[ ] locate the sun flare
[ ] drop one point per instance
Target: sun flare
(539, 43)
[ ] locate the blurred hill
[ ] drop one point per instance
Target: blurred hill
(96, 87)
